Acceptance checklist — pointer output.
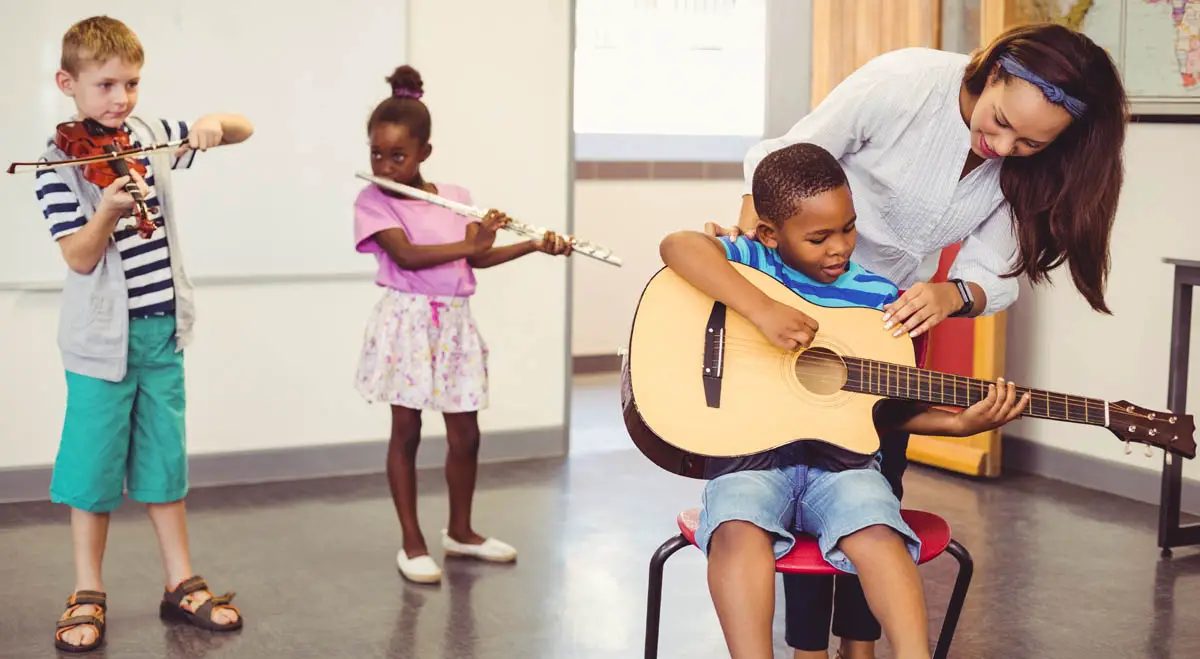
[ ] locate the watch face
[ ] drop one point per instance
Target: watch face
(965, 293)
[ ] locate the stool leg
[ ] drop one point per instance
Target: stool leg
(966, 567)
(654, 596)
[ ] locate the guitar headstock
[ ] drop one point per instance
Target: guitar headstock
(1166, 430)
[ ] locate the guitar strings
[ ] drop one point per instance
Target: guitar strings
(1081, 410)
(1076, 414)
(924, 375)
(764, 350)
(859, 378)
(1072, 411)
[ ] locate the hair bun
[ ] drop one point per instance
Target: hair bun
(406, 82)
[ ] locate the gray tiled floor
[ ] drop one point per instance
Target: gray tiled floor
(1060, 571)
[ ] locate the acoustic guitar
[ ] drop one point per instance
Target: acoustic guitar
(701, 384)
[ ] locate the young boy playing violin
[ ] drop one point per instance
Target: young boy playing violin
(806, 235)
(126, 316)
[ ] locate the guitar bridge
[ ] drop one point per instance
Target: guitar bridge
(714, 355)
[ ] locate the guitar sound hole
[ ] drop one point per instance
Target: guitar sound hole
(821, 371)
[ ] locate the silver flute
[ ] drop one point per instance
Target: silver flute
(536, 233)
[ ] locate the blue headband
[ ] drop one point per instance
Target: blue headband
(1053, 93)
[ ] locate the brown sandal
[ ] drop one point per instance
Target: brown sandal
(171, 607)
(76, 600)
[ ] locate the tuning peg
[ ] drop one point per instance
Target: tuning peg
(1149, 451)
(1128, 447)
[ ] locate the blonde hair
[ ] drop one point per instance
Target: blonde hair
(97, 40)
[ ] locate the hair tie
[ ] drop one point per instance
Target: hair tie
(402, 92)
(1053, 93)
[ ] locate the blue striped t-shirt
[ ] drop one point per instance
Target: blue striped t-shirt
(857, 287)
(147, 261)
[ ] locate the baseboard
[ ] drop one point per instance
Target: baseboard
(591, 364)
(33, 483)
(1094, 473)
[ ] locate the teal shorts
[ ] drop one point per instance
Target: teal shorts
(126, 432)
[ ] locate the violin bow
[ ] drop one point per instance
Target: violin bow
(26, 167)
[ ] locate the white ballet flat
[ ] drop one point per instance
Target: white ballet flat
(492, 550)
(422, 569)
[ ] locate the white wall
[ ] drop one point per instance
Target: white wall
(1055, 342)
(633, 217)
(335, 81)
(496, 101)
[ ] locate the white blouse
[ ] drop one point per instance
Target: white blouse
(895, 126)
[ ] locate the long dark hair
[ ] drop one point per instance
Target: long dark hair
(1064, 198)
(404, 105)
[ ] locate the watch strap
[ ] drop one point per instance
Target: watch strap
(968, 301)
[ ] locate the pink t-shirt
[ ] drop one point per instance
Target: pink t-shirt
(424, 224)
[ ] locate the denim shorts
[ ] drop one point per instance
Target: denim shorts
(802, 499)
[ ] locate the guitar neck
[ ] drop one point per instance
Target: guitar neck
(920, 385)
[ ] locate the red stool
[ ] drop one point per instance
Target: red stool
(805, 558)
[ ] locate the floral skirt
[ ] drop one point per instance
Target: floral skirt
(423, 352)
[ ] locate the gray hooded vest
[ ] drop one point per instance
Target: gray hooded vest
(93, 327)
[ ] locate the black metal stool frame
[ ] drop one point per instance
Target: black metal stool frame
(966, 568)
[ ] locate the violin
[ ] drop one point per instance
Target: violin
(89, 138)
(103, 151)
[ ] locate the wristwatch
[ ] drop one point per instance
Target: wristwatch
(968, 301)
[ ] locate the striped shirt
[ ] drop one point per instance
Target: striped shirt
(855, 288)
(146, 261)
(896, 128)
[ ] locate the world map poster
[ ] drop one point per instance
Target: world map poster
(1155, 43)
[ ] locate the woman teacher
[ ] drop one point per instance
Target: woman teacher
(1016, 152)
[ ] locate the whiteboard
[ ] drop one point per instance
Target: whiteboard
(279, 204)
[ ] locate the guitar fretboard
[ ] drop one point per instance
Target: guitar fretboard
(905, 382)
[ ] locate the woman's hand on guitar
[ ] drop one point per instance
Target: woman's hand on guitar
(921, 308)
(717, 231)
(999, 407)
(785, 327)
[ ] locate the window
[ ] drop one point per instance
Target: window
(669, 79)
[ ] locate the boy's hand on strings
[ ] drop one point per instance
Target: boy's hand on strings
(116, 199)
(785, 327)
(554, 244)
(999, 407)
